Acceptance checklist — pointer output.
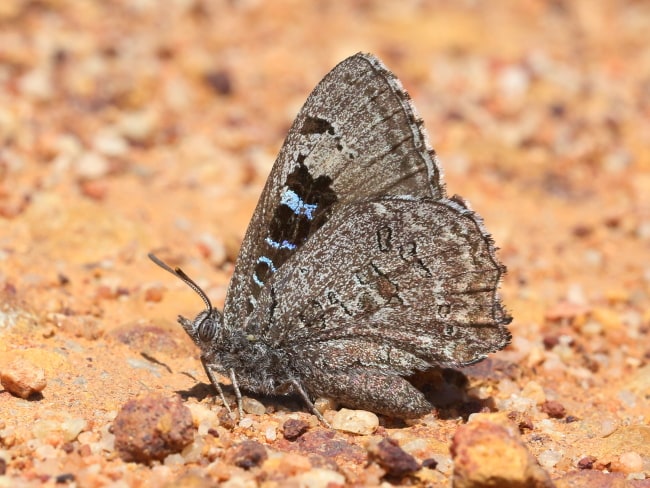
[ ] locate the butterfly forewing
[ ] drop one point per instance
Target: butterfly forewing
(348, 144)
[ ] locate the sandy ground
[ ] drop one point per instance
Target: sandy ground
(132, 127)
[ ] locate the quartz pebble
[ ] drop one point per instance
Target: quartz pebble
(355, 421)
(630, 462)
(320, 478)
(250, 405)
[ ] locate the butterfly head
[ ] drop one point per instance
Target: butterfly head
(206, 326)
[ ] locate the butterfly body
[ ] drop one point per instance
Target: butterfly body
(356, 270)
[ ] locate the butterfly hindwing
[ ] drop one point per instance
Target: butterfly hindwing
(348, 144)
(396, 284)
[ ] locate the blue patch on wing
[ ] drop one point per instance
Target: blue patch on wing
(280, 245)
(292, 200)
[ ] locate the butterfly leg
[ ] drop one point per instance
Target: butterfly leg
(235, 385)
(309, 403)
(215, 383)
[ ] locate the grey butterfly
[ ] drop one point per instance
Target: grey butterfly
(356, 269)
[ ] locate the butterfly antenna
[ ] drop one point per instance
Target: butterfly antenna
(179, 273)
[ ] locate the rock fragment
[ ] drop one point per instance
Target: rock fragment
(248, 454)
(390, 456)
(22, 379)
(355, 421)
(488, 454)
(294, 428)
(553, 409)
(152, 427)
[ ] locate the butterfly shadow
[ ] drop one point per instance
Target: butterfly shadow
(453, 391)
(200, 391)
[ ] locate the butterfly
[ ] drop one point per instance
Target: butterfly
(357, 270)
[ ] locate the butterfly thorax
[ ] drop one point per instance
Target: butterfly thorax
(258, 367)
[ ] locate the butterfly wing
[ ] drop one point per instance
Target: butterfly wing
(395, 284)
(348, 144)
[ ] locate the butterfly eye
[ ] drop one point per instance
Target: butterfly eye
(207, 329)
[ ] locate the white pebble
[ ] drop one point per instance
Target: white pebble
(607, 427)
(549, 458)
(246, 423)
(270, 433)
(631, 462)
(320, 478)
(174, 460)
(355, 421)
(91, 165)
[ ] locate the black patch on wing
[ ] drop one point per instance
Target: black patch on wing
(289, 229)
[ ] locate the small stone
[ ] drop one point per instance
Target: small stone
(390, 456)
(91, 165)
(94, 189)
(490, 454)
(248, 454)
(22, 379)
(323, 404)
(3, 467)
(153, 294)
(64, 478)
(554, 409)
(608, 427)
(191, 479)
(219, 81)
(294, 428)
(226, 419)
(587, 462)
(320, 478)
(429, 463)
(355, 421)
(629, 462)
(549, 458)
(270, 433)
(250, 405)
(152, 427)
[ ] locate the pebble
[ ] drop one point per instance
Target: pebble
(91, 165)
(549, 458)
(255, 407)
(248, 454)
(294, 428)
(152, 427)
(586, 462)
(355, 421)
(490, 454)
(553, 409)
(392, 458)
(22, 379)
(630, 462)
(608, 427)
(239, 482)
(270, 433)
(320, 478)
(323, 404)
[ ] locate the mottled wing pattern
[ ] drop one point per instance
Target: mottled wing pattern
(396, 284)
(348, 144)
